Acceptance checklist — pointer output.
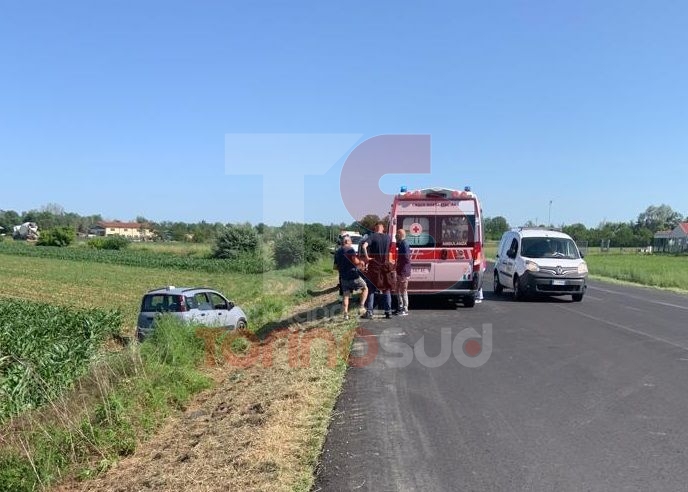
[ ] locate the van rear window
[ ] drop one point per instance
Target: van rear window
(430, 231)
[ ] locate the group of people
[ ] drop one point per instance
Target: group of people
(373, 271)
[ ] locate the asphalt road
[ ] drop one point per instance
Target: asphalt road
(573, 396)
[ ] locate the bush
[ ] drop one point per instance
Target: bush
(235, 240)
(115, 242)
(60, 236)
(294, 248)
(316, 247)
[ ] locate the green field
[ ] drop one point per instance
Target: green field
(653, 270)
(152, 255)
(87, 284)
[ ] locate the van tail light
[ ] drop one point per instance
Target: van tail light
(181, 301)
(477, 257)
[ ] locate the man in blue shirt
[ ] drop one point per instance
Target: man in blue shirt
(350, 278)
(403, 268)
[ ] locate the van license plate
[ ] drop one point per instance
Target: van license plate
(558, 282)
(420, 270)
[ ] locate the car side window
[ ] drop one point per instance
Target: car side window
(217, 301)
(513, 249)
(202, 301)
(503, 247)
(191, 303)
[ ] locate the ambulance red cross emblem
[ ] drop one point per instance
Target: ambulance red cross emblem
(416, 229)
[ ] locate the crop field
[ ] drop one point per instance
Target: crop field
(44, 348)
(92, 284)
(139, 256)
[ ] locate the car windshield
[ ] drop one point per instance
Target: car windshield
(549, 247)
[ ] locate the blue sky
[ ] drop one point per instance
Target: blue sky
(123, 108)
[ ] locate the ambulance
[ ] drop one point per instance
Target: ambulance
(444, 231)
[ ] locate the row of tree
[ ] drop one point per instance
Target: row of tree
(638, 233)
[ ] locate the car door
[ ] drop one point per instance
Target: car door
(220, 308)
(508, 262)
(205, 313)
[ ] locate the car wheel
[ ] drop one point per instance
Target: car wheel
(498, 289)
(577, 297)
(241, 325)
(469, 301)
(519, 295)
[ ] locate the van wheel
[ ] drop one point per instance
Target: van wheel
(519, 295)
(498, 289)
(577, 297)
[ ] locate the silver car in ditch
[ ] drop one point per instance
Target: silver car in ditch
(195, 305)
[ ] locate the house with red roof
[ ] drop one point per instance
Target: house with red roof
(673, 241)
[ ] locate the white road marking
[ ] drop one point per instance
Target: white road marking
(639, 298)
(627, 328)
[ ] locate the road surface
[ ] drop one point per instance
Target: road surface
(574, 396)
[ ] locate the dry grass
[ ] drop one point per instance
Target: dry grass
(260, 428)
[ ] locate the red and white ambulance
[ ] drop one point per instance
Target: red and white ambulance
(444, 230)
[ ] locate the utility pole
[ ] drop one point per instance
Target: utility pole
(549, 218)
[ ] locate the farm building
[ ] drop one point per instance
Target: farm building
(674, 241)
(131, 230)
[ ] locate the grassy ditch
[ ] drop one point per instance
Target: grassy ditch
(123, 398)
(260, 427)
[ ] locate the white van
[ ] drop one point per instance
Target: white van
(355, 239)
(539, 261)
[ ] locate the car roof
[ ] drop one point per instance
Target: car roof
(171, 289)
(535, 232)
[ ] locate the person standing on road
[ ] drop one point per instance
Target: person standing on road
(349, 276)
(380, 272)
(403, 268)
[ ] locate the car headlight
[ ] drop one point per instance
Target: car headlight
(583, 268)
(532, 266)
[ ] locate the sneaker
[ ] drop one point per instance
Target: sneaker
(396, 312)
(403, 313)
(367, 315)
(346, 316)
(388, 315)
